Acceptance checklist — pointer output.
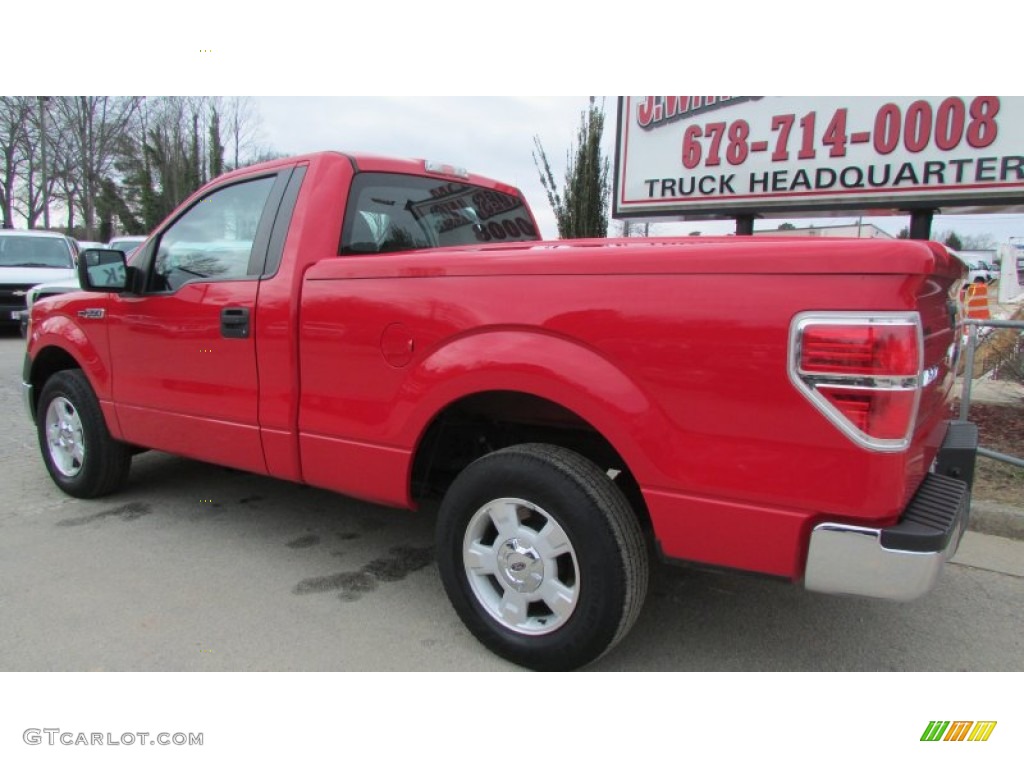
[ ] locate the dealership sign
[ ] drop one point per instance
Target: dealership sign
(703, 156)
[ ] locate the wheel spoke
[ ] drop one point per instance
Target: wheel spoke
(513, 607)
(67, 463)
(504, 515)
(481, 559)
(558, 597)
(552, 541)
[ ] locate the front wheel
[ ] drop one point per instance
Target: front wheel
(541, 556)
(80, 455)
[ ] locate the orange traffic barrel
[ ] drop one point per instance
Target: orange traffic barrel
(976, 305)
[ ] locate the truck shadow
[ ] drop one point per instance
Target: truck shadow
(321, 527)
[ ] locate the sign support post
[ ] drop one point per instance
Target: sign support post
(745, 224)
(921, 223)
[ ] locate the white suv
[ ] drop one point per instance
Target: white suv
(27, 258)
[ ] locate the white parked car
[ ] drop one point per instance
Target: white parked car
(979, 270)
(41, 291)
(126, 244)
(28, 258)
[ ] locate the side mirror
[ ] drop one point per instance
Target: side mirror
(102, 270)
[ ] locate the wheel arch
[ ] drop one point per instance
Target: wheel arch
(523, 380)
(48, 361)
(58, 344)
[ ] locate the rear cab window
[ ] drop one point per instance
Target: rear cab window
(390, 212)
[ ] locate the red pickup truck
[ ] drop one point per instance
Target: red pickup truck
(395, 330)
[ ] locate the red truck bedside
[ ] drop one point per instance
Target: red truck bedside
(395, 331)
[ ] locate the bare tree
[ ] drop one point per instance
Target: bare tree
(983, 242)
(15, 114)
(36, 187)
(44, 171)
(242, 130)
(64, 176)
(97, 127)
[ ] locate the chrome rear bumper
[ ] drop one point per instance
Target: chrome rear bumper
(901, 562)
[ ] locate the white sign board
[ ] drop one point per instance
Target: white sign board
(702, 156)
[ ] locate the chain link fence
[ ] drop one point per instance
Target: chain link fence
(1005, 358)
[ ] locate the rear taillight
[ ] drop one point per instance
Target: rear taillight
(862, 371)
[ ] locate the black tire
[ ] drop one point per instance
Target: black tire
(537, 609)
(100, 464)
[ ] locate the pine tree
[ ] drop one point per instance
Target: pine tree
(581, 208)
(216, 148)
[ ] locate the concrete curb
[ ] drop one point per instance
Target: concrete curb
(996, 519)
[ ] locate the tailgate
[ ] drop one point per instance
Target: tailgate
(939, 307)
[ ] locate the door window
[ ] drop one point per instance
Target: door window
(214, 239)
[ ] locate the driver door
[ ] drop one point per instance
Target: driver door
(184, 376)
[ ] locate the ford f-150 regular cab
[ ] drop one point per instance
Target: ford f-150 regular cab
(395, 330)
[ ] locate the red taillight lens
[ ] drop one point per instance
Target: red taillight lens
(862, 372)
(882, 414)
(869, 350)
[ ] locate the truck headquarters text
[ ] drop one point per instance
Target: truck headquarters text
(931, 173)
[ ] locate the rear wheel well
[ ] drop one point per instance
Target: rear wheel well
(487, 422)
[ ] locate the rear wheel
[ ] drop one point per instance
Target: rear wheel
(80, 455)
(541, 556)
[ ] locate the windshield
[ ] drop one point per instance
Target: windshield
(19, 251)
(395, 212)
